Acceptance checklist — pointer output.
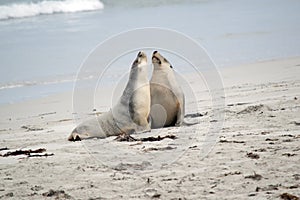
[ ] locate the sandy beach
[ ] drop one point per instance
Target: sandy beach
(256, 154)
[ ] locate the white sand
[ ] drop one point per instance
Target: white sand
(260, 136)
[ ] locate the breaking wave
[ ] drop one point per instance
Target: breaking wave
(21, 10)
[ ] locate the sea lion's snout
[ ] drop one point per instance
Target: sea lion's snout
(155, 54)
(142, 58)
(140, 54)
(156, 58)
(160, 60)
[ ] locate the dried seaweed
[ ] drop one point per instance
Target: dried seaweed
(232, 141)
(159, 148)
(28, 128)
(252, 155)
(287, 196)
(28, 153)
(158, 138)
(58, 194)
(128, 138)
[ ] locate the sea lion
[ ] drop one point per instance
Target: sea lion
(167, 97)
(130, 114)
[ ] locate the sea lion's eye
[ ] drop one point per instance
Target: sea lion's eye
(159, 62)
(171, 66)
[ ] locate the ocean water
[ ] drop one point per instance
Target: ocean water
(43, 43)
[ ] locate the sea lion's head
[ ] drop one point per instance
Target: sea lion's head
(159, 61)
(141, 60)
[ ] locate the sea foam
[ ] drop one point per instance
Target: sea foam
(21, 10)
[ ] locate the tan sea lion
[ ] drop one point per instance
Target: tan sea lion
(130, 114)
(167, 97)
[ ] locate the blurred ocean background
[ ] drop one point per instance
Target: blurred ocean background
(44, 42)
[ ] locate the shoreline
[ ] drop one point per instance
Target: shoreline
(221, 70)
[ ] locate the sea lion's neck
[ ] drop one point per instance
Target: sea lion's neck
(139, 75)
